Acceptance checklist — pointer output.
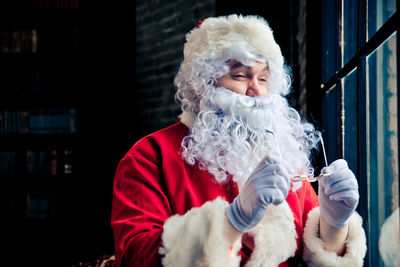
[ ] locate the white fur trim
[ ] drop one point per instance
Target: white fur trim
(196, 238)
(296, 185)
(215, 35)
(274, 237)
(187, 118)
(389, 246)
(315, 255)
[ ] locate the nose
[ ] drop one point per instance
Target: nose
(254, 88)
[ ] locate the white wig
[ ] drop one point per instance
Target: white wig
(211, 46)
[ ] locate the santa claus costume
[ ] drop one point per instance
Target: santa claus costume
(170, 211)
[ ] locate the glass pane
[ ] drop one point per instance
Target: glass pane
(349, 119)
(383, 150)
(329, 122)
(348, 41)
(328, 40)
(379, 11)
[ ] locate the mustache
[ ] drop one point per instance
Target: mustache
(225, 100)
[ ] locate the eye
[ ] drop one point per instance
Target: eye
(263, 80)
(238, 76)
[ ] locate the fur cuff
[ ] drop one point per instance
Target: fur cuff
(274, 237)
(196, 238)
(315, 255)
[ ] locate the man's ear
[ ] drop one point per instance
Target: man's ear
(216, 83)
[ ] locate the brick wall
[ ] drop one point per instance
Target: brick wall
(160, 35)
(301, 38)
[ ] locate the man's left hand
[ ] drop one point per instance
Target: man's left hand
(337, 193)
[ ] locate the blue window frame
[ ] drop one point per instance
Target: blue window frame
(360, 82)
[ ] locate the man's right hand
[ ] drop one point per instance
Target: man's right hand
(268, 184)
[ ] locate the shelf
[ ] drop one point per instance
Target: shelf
(31, 183)
(27, 100)
(24, 141)
(39, 57)
(40, 61)
(35, 17)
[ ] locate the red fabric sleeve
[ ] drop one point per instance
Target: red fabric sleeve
(310, 200)
(140, 208)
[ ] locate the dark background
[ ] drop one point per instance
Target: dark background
(128, 55)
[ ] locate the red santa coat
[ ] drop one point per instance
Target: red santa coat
(165, 208)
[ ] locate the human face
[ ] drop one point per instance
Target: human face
(246, 80)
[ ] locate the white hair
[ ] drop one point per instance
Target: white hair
(231, 134)
(198, 74)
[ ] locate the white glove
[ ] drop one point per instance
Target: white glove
(267, 185)
(337, 193)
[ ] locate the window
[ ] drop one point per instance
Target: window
(360, 107)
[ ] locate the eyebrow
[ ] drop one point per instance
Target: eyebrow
(239, 65)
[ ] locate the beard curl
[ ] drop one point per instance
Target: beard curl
(230, 135)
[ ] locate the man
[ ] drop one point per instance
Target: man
(217, 189)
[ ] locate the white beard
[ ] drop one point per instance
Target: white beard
(230, 134)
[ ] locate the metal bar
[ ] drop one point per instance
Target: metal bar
(380, 36)
(376, 40)
(398, 96)
(362, 126)
(339, 95)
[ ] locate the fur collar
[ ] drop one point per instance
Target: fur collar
(187, 118)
